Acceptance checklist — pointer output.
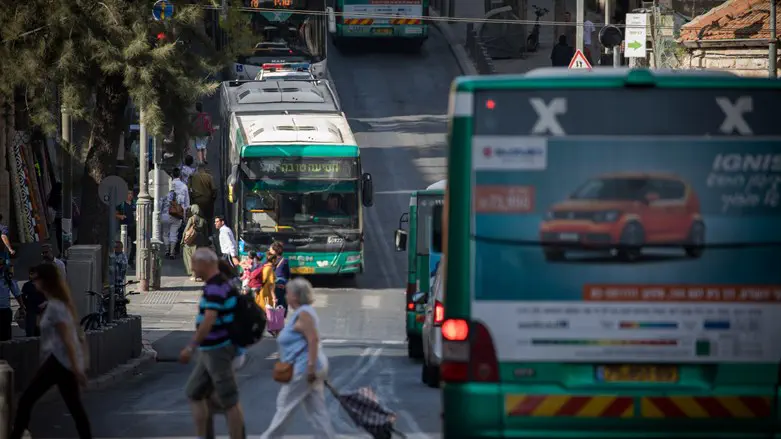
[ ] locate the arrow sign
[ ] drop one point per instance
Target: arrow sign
(634, 45)
(162, 10)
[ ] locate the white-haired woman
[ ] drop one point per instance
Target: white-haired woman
(299, 345)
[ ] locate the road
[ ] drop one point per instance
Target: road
(396, 104)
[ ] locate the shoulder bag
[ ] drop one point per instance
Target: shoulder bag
(283, 371)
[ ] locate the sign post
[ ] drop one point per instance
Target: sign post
(635, 36)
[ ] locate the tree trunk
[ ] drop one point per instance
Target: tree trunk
(111, 98)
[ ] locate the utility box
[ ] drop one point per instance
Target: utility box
(85, 273)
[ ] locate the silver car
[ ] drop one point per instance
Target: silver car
(432, 331)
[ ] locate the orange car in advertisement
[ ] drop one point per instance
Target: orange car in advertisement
(623, 213)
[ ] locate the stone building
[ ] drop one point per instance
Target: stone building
(733, 36)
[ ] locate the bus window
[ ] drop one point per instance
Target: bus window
(436, 230)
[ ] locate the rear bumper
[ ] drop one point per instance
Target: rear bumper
(406, 32)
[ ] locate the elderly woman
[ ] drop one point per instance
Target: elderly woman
(299, 345)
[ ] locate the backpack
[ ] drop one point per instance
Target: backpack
(249, 322)
(190, 235)
(203, 125)
(175, 209)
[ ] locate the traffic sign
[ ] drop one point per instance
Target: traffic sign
(162, 10)
(579, 61)
(112, 190)
(635, 35)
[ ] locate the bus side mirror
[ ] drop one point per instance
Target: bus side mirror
(367, 192)
(331, 19)
(231, 184)
(400, 239)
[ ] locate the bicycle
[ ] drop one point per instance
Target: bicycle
(99, 318)
(533, 40)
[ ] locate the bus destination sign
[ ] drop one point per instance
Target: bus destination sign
(299, 168)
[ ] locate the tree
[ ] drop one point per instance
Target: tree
(99, 54)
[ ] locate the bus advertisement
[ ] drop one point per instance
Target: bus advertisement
(613, 273)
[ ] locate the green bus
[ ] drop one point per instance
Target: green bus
(423, 244)
(400, 20)
(611, 255)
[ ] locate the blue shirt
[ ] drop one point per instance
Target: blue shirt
(293, 348)
(8, 287)
(282, 271)
(218, 295)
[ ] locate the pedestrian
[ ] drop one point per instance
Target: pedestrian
(126, 215)
(47, 253)
(227, 241)
(34, 302)
(281, 273)
(229, 272)
(203, 131)
(213, 373)
(8, 288)
(262, 282)
(562, 53)
(300, 346)
(6, 240)
(118, 268)
(175, 205)
(588, 31)
(188, 169)
(196, 234)
(570, 30)
(63, 350)
(204, 192)
(248, 265)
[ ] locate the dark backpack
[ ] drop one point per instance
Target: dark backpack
(249, 322)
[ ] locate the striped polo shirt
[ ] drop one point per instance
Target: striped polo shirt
(219, 295)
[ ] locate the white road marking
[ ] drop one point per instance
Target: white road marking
(338, 341)
(321, 301)
(370, 302)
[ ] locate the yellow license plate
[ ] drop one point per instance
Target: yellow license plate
(634, 373)
(382, 31)
(302, 270)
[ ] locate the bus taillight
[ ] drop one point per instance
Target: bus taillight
(409, 293)
(465, 356)
(439, 313)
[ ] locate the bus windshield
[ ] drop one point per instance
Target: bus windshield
(276, 204)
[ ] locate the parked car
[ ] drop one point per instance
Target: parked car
(432, 331)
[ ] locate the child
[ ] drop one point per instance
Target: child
(247, 267)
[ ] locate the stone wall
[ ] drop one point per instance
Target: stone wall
(742, 61)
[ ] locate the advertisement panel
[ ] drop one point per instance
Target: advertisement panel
(628, 248)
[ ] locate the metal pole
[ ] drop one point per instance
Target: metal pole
(157, 242)
(608, 13)
(112, 237)
(67, 182)
(124, 239)
(773, 46)
(143, 213)
(581, 18)
(616, 57)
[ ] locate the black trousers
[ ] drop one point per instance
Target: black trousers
(6, 317)
(52, 373)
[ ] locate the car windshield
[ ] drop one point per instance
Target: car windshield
(623, 189)
(278, 204)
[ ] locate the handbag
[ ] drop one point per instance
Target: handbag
(283, 371)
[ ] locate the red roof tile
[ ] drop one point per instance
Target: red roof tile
(734, 19)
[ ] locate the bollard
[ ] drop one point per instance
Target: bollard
(6, 399)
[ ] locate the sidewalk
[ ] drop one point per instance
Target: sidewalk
(456, 34)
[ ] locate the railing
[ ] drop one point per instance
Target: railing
(476, 50)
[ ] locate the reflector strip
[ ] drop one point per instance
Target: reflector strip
(358, 21)
(706, 407)
(569, 406)
(405, 21)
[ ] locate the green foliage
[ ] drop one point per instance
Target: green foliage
(71, 45)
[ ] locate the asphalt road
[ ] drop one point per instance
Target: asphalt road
(396, 103)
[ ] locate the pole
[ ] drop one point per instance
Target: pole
(67, 182)
(112, 259)
(581, 18)
(143, 213)
(124, 239)
(773, 46)
(616, 57)
(157, 242)
(608, 13)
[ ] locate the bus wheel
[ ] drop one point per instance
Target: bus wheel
(415, 346)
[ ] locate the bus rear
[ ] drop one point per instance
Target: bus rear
(386, 19)
(613, 256)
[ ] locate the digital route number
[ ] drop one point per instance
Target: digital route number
(287, 4)
(302, 168)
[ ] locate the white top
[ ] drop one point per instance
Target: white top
(187, 171)
(588, 29)
(182, 193)
(227, 241)
(61, 267)
(51, 343)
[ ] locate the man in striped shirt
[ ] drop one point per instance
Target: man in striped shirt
(213, 372)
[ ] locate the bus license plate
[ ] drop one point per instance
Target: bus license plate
(302, 270)
(631, 373)
(382, 31)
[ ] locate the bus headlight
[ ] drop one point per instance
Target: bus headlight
(352, 259)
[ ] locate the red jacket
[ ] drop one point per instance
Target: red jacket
(256, 278)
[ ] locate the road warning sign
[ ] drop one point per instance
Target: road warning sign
(579, 61)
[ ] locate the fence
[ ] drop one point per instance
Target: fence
(476, 50)
(109, 347)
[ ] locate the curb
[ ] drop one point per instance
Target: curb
(459, 52)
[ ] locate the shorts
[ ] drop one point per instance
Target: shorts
(201, 142)
(213, 373)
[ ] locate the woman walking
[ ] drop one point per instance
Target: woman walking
(200, 228)
(281, 272)
(62, 348)
(299, 345)
(262, 280)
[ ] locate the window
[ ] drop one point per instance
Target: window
(671, 190)
(436, 230)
